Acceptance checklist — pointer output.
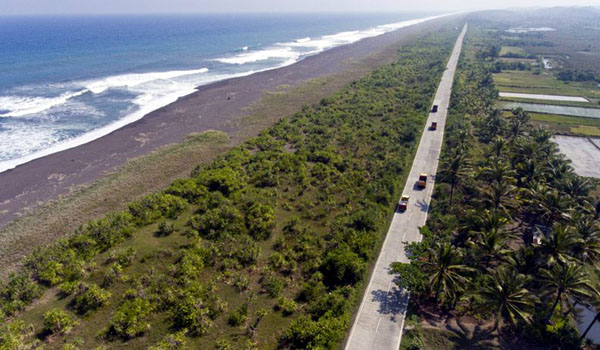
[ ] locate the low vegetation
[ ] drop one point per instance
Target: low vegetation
(265, 247)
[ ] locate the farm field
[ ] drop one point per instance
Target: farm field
(553, 109)
(529, 82)
(507, 50)
(562, 124)
(544, 97)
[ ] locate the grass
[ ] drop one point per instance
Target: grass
(512, 50)
(528, 82)
(135, 178)
(591, 104)
(149, 173)
(564, 124)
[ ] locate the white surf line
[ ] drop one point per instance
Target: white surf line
(166, 100)
(544, 97)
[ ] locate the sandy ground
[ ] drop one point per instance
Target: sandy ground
(583, 152)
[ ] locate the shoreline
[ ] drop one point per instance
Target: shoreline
(228, 106)
(166, 100)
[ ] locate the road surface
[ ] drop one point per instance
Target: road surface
(378, 324)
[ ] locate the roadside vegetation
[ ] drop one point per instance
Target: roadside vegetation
(266, 247)
(512, 244)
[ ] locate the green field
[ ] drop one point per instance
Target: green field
(592, 104)
(528, 82)
(563, 124)
(512, 50)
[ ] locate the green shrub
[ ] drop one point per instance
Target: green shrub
(174, 341)
(195, 308)
(218, 222)
(131, 318)
(273, 285)
(287, 306)
(260, 219)
(58, 322)
(238, 316)
(90, 297)
(165, 228)
(224, 180)
(13, 335)
(156, 205)
(342, 267)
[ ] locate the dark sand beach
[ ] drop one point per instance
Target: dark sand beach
(219, 106)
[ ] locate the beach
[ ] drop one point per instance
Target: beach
(221, 106)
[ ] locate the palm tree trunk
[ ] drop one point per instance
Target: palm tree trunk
(553, 307)
(590, 326)
(571, 309)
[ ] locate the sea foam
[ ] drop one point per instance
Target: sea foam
(157, 89)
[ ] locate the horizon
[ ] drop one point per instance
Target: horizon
(185, 7)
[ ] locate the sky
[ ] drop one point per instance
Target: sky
(16, 7)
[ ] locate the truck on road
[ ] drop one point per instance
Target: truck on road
(403, 203)
(436, 104)
(422, 182)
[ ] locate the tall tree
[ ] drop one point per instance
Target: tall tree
(447, 275)
(566, 281)
(505, 294)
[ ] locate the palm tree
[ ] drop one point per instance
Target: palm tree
(453, 168)
(518, 123)
(497, 170)
(560, 245)
(504, 293)
(551, 206)
(491, 244)
(499, 196)
(588, 249)
(446, 274)
(566, 281)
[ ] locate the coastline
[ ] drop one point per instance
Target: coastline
(222, 106)
(173, 97)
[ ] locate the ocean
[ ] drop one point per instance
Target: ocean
(67, 80)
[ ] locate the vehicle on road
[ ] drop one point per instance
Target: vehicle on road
(433, 126)
(436, 103)
(422, 182)
(403, 203)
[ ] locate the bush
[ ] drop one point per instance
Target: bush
(131, 318)
(260, 219)
(13, 335)
(154, 206)
(342, 267)
(273, 285)
(217, 222)
(165, 229)
(90, 298)
(238, 316)
(194, 309)
(58, 322)
(224, 180)
(305, 333)
(287, 306)
(174, 341)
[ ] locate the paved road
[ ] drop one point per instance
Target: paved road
(380, 318)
